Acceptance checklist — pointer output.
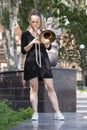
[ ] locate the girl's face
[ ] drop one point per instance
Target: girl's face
(35, 21)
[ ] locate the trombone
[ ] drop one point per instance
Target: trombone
(37, 53)
(45, 36)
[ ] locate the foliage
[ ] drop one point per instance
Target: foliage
(77, 18)
(9, 117)
(4, 20)
(77, 21)
(75, 14)
(24, 8)
(26, 5)
(77, 25)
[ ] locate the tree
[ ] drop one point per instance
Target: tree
(13, 13)
(45, 7)
(10, 10)
(16, 12)
(77, 25)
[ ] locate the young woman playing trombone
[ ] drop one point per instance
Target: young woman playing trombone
(37, 64)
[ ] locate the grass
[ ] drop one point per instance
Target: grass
(82, 89)
(10, 117)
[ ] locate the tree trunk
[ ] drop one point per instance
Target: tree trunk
(13, 8)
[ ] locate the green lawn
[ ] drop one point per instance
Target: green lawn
(10, 117)
(81, 89)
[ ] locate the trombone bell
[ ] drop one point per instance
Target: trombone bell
(47, 36)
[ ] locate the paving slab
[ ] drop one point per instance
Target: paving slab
(73, 121)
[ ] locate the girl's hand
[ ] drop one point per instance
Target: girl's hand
(36, 40)
(47, 45)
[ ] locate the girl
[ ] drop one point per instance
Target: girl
(33, 71)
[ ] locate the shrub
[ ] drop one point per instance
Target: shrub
(10, 117)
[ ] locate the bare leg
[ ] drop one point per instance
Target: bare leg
(51, 93)
(34, 93)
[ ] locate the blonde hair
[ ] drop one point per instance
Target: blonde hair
(34, 12)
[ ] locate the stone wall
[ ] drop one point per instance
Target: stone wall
(65, 86)
(13, 87)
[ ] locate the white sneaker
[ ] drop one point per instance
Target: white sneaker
(35, 123)
(58, 116)
(35, 116)
(58, 124)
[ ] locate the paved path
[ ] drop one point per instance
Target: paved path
(81, 102)
(73, 121)
(81, 94)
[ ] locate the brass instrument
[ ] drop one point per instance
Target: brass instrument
(37, 53)
(46, 37)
